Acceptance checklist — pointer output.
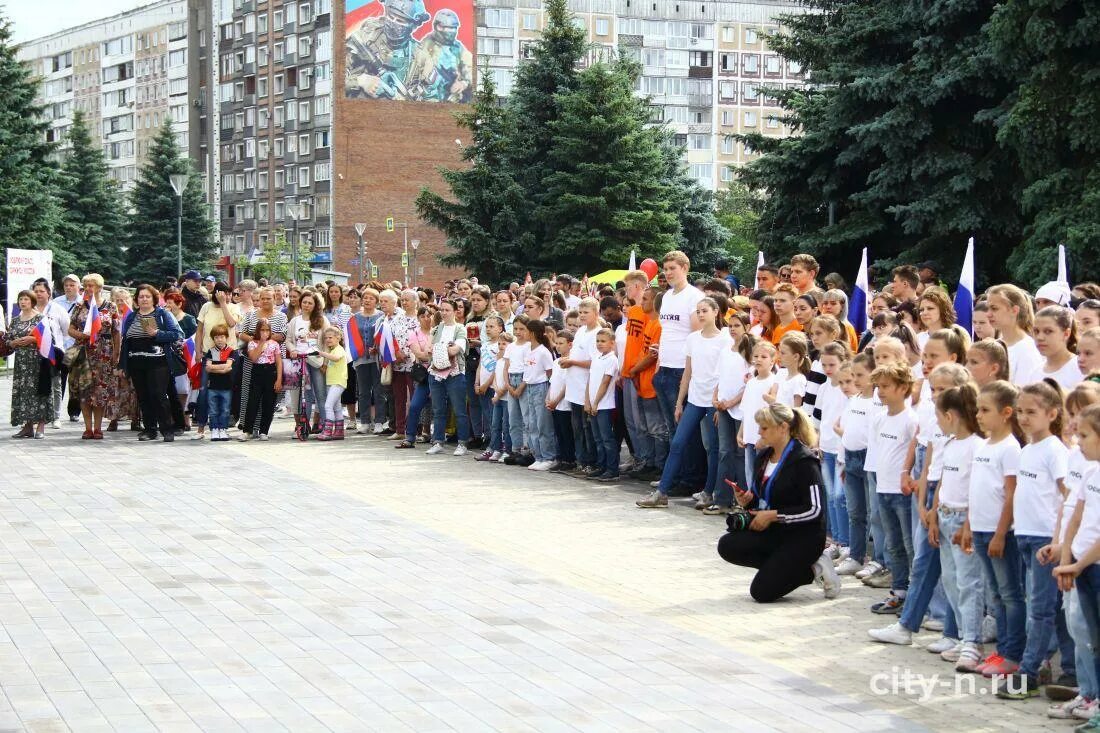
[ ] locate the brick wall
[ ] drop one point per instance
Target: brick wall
(383, 152)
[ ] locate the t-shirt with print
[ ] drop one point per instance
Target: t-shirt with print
(490, 354)
(855, 421)
(993, 463)
(303, 337)
(1037, 498)
(536, 363)
(676, 310)
(220, 382)
(705, 354)
(634, 348)
(584, 349)
(892, 435)
(956, 467)
(929, 432)
(1077, 466)
(603, 365)
(1088, 532)
(644, 379)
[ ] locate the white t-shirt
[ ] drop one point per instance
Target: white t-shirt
(557, 388)
(1036, 501)
(603, 365)
(929, 433)
(487, 366)
(572, 301)
(1089, 531)
(856, 421)
(676, 310)
(1076, 468)
(831, 400)
(789, 388)
(878, 410)
(993, 463)
(705, 354)
(892, 435)
(751, 403)
(1068, 377)
(957, 465)
(1025, 363)
(732, 370)
(536, 362)
(305, 340)
(620, 343)
(515, 355)
(584, 349)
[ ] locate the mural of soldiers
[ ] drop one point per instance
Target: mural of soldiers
(442, 69)
(381, 50)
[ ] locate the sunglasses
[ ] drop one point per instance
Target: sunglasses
(236, 294)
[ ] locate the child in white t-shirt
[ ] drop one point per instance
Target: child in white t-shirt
(758, 390)
(514, 357)
(538, 427)
(829, 404)
(854, 429)
(576, 382)
(559, 407)
(492, 351)
(794, 360)
(599, 404)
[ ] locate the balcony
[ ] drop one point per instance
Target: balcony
(700, 72)
(700, 100)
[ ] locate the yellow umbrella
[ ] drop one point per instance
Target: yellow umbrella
(609, 277)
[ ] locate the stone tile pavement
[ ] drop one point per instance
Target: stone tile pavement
(279, 586)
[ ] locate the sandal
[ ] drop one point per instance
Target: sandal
(405, 444)
(97, 435)
(86, 435)
(24, 433)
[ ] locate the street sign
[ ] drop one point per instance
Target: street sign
(355, 261)
(404, 259)
(389, 223)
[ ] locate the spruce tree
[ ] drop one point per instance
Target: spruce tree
(151, 235)
(29, 214)
(93, 221)
(702, 236)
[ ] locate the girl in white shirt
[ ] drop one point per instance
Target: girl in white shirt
(492, 350)
(957, 414)
(1088, 351)
(854, 427)
(734, 370)
(794, 360)
(1056, 341)
(514, 357)
(831, 402)
(561, 411)
(1011, 314)
(537, 424)
(758, 389)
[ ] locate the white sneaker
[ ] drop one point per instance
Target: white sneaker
(539, 466)
(550, 465)
(501, 458)
(989, 630)
(223, 434)
(496, 456)
(932, 624)
(848, 566)
(941, 645)
(1065, 710)
(364, 428)
(869, 569)
(895, 633)
(263, 436)
(952, 654)
(698, 495)
(970, 656)
(55, 425)
(436, 449)
(656, 484)
(832, 552)
(1088, 711)
(845, 553)
(825, 576)
(377, 429)
(245, 437)
(461, 450)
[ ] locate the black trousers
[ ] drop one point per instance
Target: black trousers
(261, 399)
(151, 385)
(784, 558)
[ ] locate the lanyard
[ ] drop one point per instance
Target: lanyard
(771, 479)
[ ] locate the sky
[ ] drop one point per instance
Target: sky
(34, 18)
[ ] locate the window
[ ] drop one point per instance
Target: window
(303, 111)
(115, 47)
(727, 173)
(279, 84)
(279, 115)
(323, 238)
(227, 32)
(727, 117)
(305, 13)
(728, 145)
(772, 122)
(280, 179)
(291, 111)
(227, 183)
(499, 18)
(322, 71)
(280, 147)
(698, 142)
(261, 56)
(751, 35)
(250, 23)
(303, 176)
(751, 63)
(303, 144)
(530, 22)
(749, 92)
(177, 86)
(305, 76)
(238, 121)
(496, 46)
(263, 117)
(262, 148)
(750, 119)
(261, 181)
(262, 209)
(291, 144)
(729, 34)
(322, 105)
(602, 27)
(177, 58)
(261, 22)
(179, 113)
(261, 86)
(280, 211)
(322, 171)
(727, 62)
(771, 64)
(793, 67)
(304, 45)
(700, 58)
(323, 43)
(278, 20)
(320, 139)
(278, 52)
(322, 205)
(290, 178)
(703, 172)
(678, 115)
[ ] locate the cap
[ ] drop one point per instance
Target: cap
(1055, 291)
(72, 277)
(210, 279)
(192, 275)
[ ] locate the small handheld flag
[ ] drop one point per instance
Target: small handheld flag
(94, 322)
(527, 280)
(964, 296)
(43, 337)
(860, 304)
(633, 265)
(1063, 273)
(386, 344)
(756, 272)
(353, 341)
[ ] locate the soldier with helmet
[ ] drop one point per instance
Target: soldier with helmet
(381, 50)
(442, 69)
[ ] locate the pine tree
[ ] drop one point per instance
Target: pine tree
(482, 216)
(93, 222)
(29, 213)
(151, 235)
(608, 193)
(702, 237)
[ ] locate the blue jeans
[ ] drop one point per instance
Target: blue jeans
(693, 419)
(750, 467)
(641, 440)
(500, 437)
(318, 389)
(1002, 576)
(478, 417)
(607, 448)
(896, 511)
(449, 394)
(925, 589)
(1087, 613)
(962, 578)
(855, 494)
(217, 401)
(420, 399)
(563, 434)
(878, 536)
(834, 491)
(372, 403)
(515, 414)
(1042, 604)
(731, 459)
(1086, 659)
(537, 422)
(666, 382)
(583, 437)
(654, 426)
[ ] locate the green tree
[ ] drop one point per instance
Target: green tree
(93, 223)
(738, 210)
(151, 235)
(701, 235)
(608, 193)
(29, 214)
(276, 261)
(482, 218)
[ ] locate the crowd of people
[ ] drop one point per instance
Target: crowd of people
(954, 468)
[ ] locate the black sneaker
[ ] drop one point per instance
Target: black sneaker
(525, 460)
(892, 605)
(146, 437)
(681, 490)
(564, 468)
(169, 437)
(1017, 686)
(645, 473)
(608, 478)
(511, 460)
(596, 475)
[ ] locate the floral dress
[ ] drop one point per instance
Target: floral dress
(26, 404)
(103, 393)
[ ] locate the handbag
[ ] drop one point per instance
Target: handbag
(72, 354)
(177, 363)
(315, 361)
(386, 378)
(291, 373)
(442, 361)
(419, 373)
(5, 346)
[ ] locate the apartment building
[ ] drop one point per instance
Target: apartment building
(130, 73)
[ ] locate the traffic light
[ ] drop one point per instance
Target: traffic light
(389, 223)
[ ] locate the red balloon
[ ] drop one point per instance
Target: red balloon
(649, 267)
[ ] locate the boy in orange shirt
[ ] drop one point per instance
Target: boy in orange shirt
(644, 420)
(783, 302)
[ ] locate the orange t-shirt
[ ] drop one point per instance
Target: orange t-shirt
(636, 319)
(780, 331)
(853, 339)
(650, 336)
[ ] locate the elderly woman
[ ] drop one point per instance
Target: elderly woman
(92, 379)
(264, 299)
(148, 331)
(126, 404)
(401, 385)
(181, 385)
(366, 322)
(32, 384)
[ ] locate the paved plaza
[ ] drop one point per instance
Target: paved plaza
(351, 587)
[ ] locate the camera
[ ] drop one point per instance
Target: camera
(738, 520)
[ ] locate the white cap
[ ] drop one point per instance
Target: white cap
(1054, 291)
(72, 277)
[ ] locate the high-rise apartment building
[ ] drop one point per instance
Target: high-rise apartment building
(130, 74)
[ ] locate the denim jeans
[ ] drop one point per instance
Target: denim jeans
(217, 410)
(878, 536)
(693, 420)
(896, 511)
(516, 430)
(583, 438)
(855, 494)
(1003, 577)
(635, 424)
(731, 459)
(834, 492)
(962, 578)
(666, 382)
(449, 394)
(563, 434)
(478, 417)
(318, 389)
(655, 427)
(1087, 613)
(750, 467)
(1042, 603)
(537, 422)
(925, 589)
(1085, 658)
(420, 399)
(372, 405)
(607, 452)
(500, 437)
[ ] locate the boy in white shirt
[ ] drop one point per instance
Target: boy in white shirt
(599, 403)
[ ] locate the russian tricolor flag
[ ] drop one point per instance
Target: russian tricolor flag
(386, 344)
(860, 304)
(44, 338)
(964, 296)
(353, 340)
(94, 322)
(189, 352)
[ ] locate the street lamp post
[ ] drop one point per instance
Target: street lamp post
(294, 213)
(415, 244)
(359, 229)
(179, 184)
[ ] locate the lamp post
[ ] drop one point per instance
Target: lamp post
(415, 244)
(179, 184)
(359, 229)
(294, 213)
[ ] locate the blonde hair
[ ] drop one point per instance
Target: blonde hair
(678, 257)
(955, 340)
(995, 352)
(896, 373)
(954, 371)
(777, 414)
(636, 276)
(1082, 396)
(589, 304)
(95, 277)
(797, 342)
(388, 294)
(334, 330)
(1017, 298)
(889, 343)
